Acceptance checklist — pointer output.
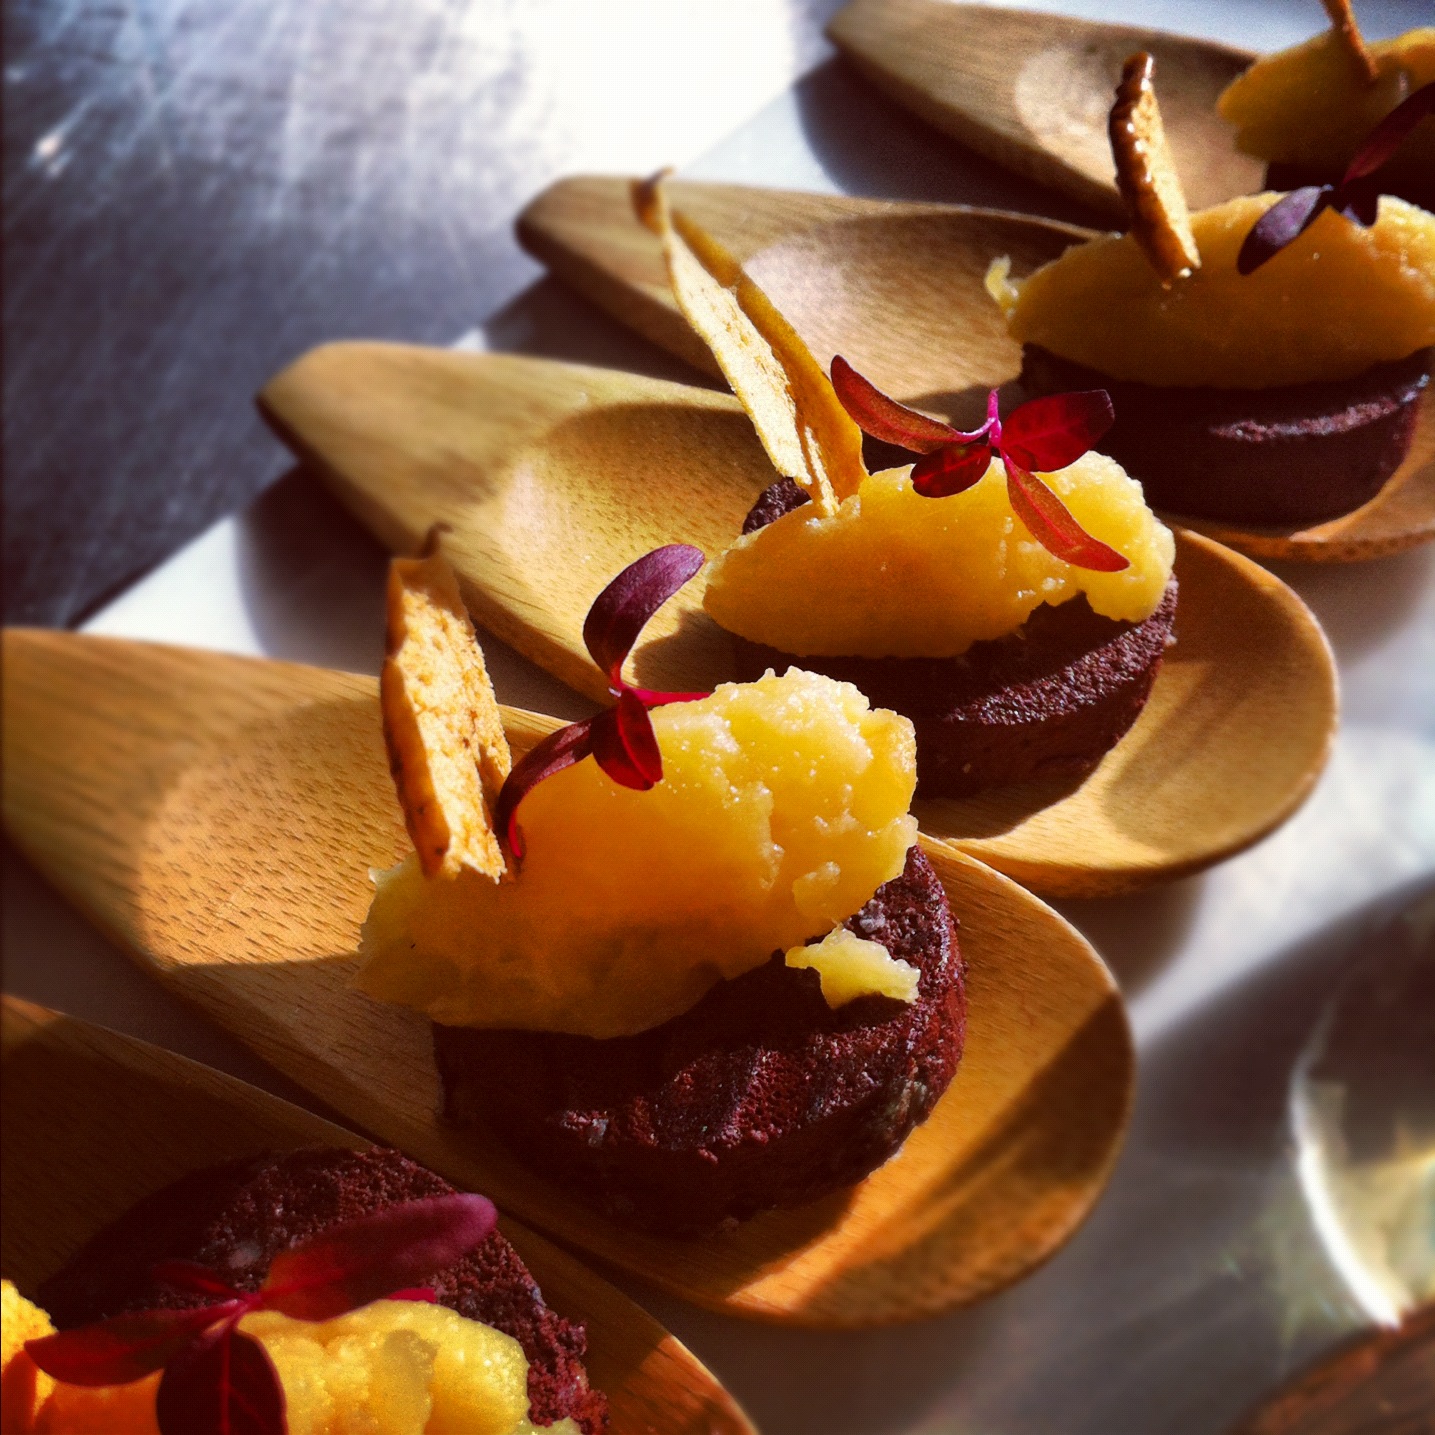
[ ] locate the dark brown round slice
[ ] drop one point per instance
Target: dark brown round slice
(234, 1219)
(760, 1096)
(1050, 699)
(1295, 454)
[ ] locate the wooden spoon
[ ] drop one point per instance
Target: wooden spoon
(1032, 91)
(1380, 1382)
(897, 289)
(550, 478)
(93, 1121)
(218, 817)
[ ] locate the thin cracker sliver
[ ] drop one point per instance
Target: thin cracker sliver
(806, 432)
(447, 749)
(1146, 174)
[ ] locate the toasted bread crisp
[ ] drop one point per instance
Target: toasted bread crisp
(1347, 32)
(808, 435)
(1146, 174)
(447, 748)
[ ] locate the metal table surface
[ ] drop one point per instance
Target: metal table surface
(1227, 1251)
(197, 190)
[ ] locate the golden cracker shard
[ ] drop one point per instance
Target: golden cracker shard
(1348, 37)
(1146, 174)
(808, 435)
(445, 739)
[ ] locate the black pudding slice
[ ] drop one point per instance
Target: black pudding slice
(760, 1096)
(1050, 699)
(1291, 455)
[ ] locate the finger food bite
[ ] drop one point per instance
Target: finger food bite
(717, 975)
(1306, 110)
(1011, 593)
(307, 1290)
(1277, 390)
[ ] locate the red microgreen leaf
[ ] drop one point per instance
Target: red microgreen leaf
(364, 1259)
(192, 1277)
(422, 1295)
(625, 605)
(1051, 523)
(223, 1383)
(1289, 216)
(624, 744)
(884, 418)
(950, 470)
(124, 1348)
(1053, 432)
(1358, 201)
(558, 750)
(651, 698)
(1382, 142)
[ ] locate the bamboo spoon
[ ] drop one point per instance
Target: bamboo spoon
(1381, 1382)
(1031, 91)
(218, 817)
(897, 289)
(66, 1176)
(550, 478)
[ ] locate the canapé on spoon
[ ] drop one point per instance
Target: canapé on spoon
(218, 816)
(165, 1116)
(549, 478)
(899, 290)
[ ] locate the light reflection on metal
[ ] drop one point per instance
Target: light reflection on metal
(1362, 1113)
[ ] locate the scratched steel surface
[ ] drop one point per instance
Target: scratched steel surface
(197, 190)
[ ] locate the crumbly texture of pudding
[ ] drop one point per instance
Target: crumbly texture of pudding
(1297, 454)
(762, 1095)
(234, 1219)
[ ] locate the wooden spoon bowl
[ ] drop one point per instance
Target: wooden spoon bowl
(897, 289)
(218, 817)
(549, 478)
(1032, 91)
(94, 1121)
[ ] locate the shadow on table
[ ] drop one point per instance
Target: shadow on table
(312, 582)
(1358, 604)
(551, 321)
(1137, 934)
(868, 146)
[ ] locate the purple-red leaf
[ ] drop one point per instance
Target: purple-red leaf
(625, 605)
(422, 1295)
(1382, 142)
(192, 1277)
(1051, 523)
(365, 1259)
(884, 418)
(221, 1384)
(625, 745)
(652, 698)
(124, 1348)
(558, 750)
(1289, 216)
(950, 470)
(1052, 432)
(1358, 201)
